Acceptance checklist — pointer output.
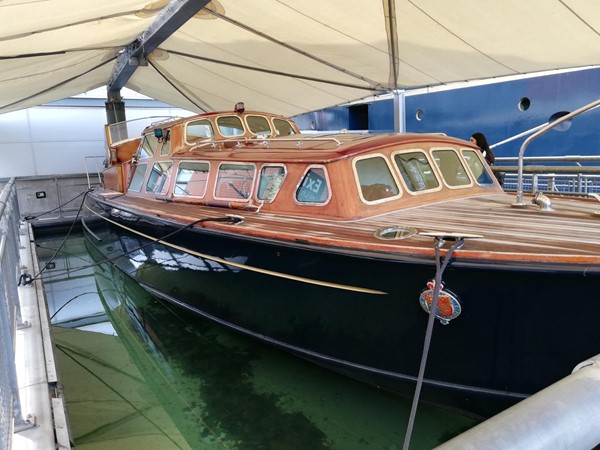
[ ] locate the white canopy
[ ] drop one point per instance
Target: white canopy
(287, 56)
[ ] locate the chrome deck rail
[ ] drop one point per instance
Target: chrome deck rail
(11, 416)
(296, 142)
(540, 132)
(131, 129)
(571, 181)
(98, 170)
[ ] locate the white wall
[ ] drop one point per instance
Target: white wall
(54, 139)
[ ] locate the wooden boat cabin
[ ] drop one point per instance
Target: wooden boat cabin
(251, 161)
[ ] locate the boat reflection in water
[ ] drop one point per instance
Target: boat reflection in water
(172, 379)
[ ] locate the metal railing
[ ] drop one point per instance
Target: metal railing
(538, 133)
(95, 159)
(11, 416)
(552, 180)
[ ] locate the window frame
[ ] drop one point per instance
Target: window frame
(327, 180)
(484, 165)
(250, 189)
(175, 194)
(241, 121)
(138, 152)
(285, 174)
(276, 128)
(432, 151)
(165, 186)
(135, 178)
(200, 139)
(392, 173)
(433, 167)
(261, 134)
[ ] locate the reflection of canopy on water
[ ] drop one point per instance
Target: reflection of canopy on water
(111, 400)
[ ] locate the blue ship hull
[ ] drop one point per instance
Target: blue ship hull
(499, 110)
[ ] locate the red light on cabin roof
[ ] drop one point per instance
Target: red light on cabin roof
(239, 107)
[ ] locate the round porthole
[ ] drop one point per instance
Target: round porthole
(561, 126)
(394, 233)
(524, 104)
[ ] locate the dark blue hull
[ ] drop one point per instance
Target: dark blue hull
(518, 331)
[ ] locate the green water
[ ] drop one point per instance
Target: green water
(141, 374)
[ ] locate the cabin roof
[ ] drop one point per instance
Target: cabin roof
(303, 148)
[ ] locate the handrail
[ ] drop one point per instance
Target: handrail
(239, 142)
(10, 315)
(577, 159)
(87, 172)
(517, 136)
(119, 131)
(539, 133)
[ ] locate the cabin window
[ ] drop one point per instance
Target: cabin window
(234, 181)
(198, 130)
(480, 173)
(314, 187)
(148, 146)
(283, 127)
(159, 175)
(452, 168)
(375, 179)
(230, 126)
(271, 178)
(259, 125)
(416, 171)
(192, 178)
(138, 177)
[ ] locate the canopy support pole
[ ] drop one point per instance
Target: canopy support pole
(136, 54)
(115, 108)
(399, 111)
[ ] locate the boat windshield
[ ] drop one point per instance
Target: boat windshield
(230, 126)
(283, 127)
(258, 125)
(198, 130)
(148, 146)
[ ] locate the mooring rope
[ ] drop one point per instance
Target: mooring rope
(439, 270)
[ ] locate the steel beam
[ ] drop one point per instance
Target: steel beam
(170, 19)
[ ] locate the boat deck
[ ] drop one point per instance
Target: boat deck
(507, 233)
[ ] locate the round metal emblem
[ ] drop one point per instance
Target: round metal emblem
(448, 305)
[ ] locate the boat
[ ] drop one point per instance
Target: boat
(344, 248)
